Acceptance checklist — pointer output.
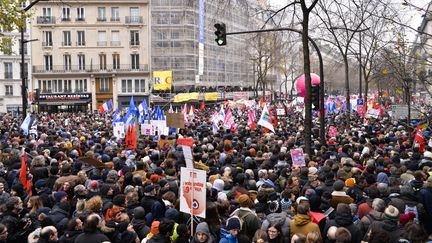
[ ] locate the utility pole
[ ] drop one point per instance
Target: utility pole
(22, 42)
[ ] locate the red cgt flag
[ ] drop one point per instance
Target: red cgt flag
(202, 106)
(23, 175)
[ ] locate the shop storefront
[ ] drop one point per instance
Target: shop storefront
(64, 102)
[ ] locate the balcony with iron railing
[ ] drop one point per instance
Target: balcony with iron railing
(101, 19)
(68, 43)
(134, 19)
(80, 43)
(8, 75)
(89, 68)
(65, 19)
(46, 20)
(79, 19)
(115, 19)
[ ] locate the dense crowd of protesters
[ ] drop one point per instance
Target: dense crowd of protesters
(371, 183)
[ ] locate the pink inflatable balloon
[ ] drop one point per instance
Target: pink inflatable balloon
(301, 85)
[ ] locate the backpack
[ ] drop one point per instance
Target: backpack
(412, 209)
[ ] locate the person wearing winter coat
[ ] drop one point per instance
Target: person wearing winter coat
(60, 215)
(74, 228)
(339, 195)
(278, 217)
(389, 225)
(426, 200)
(91, 230)
(251, 222)
(343, 218)
(377, 214)
(302, 222)
(166, 228)
(202, 234)
(229, 234)
(139, 223)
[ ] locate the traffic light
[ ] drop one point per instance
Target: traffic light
(220, 34)
(315, 97)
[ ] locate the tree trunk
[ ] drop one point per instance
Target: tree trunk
(408, 98)
(366, 82)
(347, 93)
(307, 71)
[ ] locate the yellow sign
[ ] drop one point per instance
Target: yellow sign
(211, 96)
(162, 80)
(186, 97)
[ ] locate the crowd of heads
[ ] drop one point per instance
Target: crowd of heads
(371, 182)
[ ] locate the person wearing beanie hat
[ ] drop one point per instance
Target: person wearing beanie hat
(60, 196)
(389, 225)
(202, 234)
(231, 230)
(154, 230)
(339, 195)
(139, 222)
(251, 222)
(350, 182)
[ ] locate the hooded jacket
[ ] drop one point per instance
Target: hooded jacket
(391, 227)
(281, 219)
(344, 219)
(303, 224)
(203, 228)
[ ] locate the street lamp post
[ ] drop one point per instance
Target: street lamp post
(22, 42)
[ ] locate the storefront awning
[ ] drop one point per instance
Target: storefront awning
(64, 102)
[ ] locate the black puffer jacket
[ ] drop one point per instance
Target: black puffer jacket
(344, 219)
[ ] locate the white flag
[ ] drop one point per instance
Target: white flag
(265, 119)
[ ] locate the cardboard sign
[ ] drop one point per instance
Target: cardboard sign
(187, 144)
(193, 192)
(147, 129)
(332, 131)
(164, 143)
(175, 120)
(119, 130)
(280, 112)
(297, 157)
(160, 127)
(374, 113)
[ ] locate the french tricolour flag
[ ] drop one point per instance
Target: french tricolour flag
(106, 106)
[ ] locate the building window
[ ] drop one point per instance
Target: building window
(175, 18)
(67, 62)
(103, 85)
(68, 86)
(115, 14)
(20, 52)
(135, 61)
(102, 38)
(47, 38)
(127, 85)
(7, 44)
(80, 14)
(46, 12)
(8, 73)
(101, 14)
(48, 62)
(134, 41)
(102, 61)
(134, 11)
(162, 18)
(81, 85)
(8, 90)
(67, 38)
(81, 62)
(80, 38)
(116, 61)
(115, 38)
(65, 14)
(139, 85)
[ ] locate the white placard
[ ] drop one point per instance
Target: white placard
(193, 192)
(119, 130)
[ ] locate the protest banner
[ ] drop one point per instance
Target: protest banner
(297, 157)
(175, 120)
(212, 96)
(119, 130)
(183, 97)
(193, 192)
(162, 80)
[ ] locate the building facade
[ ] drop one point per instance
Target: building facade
(10, 71)
(90, 52)
(175, 43)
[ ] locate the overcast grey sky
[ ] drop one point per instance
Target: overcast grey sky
(412, 15)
